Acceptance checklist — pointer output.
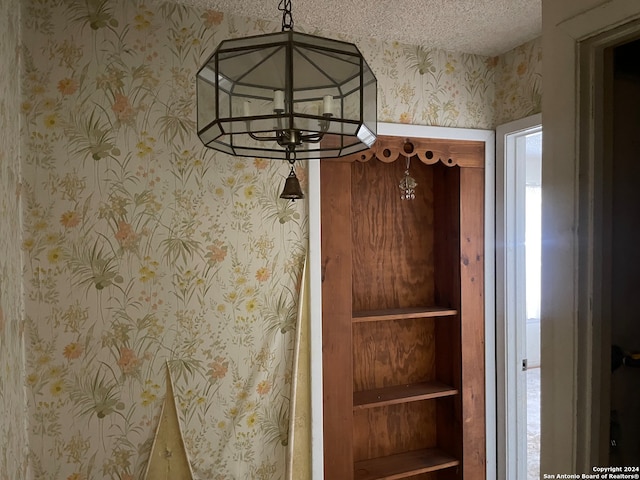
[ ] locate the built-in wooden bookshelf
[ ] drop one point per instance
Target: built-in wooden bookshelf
(403, 313)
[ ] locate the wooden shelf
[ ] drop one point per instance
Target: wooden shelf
(402, 303)
(401, 394)
(403, 465)
(401, 313)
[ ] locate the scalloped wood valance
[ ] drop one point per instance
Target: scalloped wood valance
(461, 153)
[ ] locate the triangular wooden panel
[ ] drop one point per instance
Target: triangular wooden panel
(299, 446)
(168, 459)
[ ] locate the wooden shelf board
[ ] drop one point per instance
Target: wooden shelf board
(403, 465)
(412, 392)
(402, 313)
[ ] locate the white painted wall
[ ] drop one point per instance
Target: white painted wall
(566, 402)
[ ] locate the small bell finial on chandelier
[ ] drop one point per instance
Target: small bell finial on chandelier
(292, 190)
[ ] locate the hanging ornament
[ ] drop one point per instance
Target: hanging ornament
(408, 184)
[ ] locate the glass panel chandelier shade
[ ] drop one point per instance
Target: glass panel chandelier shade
(272, 95)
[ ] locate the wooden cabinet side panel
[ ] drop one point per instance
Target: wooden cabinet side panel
(335, 188)
(447, 291)
(472, 324)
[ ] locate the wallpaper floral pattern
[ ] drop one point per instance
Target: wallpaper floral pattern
(13, 421)
(142, 248)
(519, 83)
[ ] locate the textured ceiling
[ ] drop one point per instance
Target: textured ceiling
(483, 27)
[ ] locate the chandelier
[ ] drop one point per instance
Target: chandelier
(288, 96)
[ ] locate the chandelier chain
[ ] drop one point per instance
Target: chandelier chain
(287, 17)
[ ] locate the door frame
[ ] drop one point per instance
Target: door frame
(315, 273)
(509, 262)
(571, 324)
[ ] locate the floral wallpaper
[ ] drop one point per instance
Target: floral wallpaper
(142, 248)
(423, 86)
(519, 83)
(13, 421)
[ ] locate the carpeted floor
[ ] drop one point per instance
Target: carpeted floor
(533, 423)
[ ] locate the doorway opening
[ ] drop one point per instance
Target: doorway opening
(620, 229)
(518, 271)
(608, 336)
(532, 247)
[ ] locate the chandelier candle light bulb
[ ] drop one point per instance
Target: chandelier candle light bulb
(278, 101)
(327, 105)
